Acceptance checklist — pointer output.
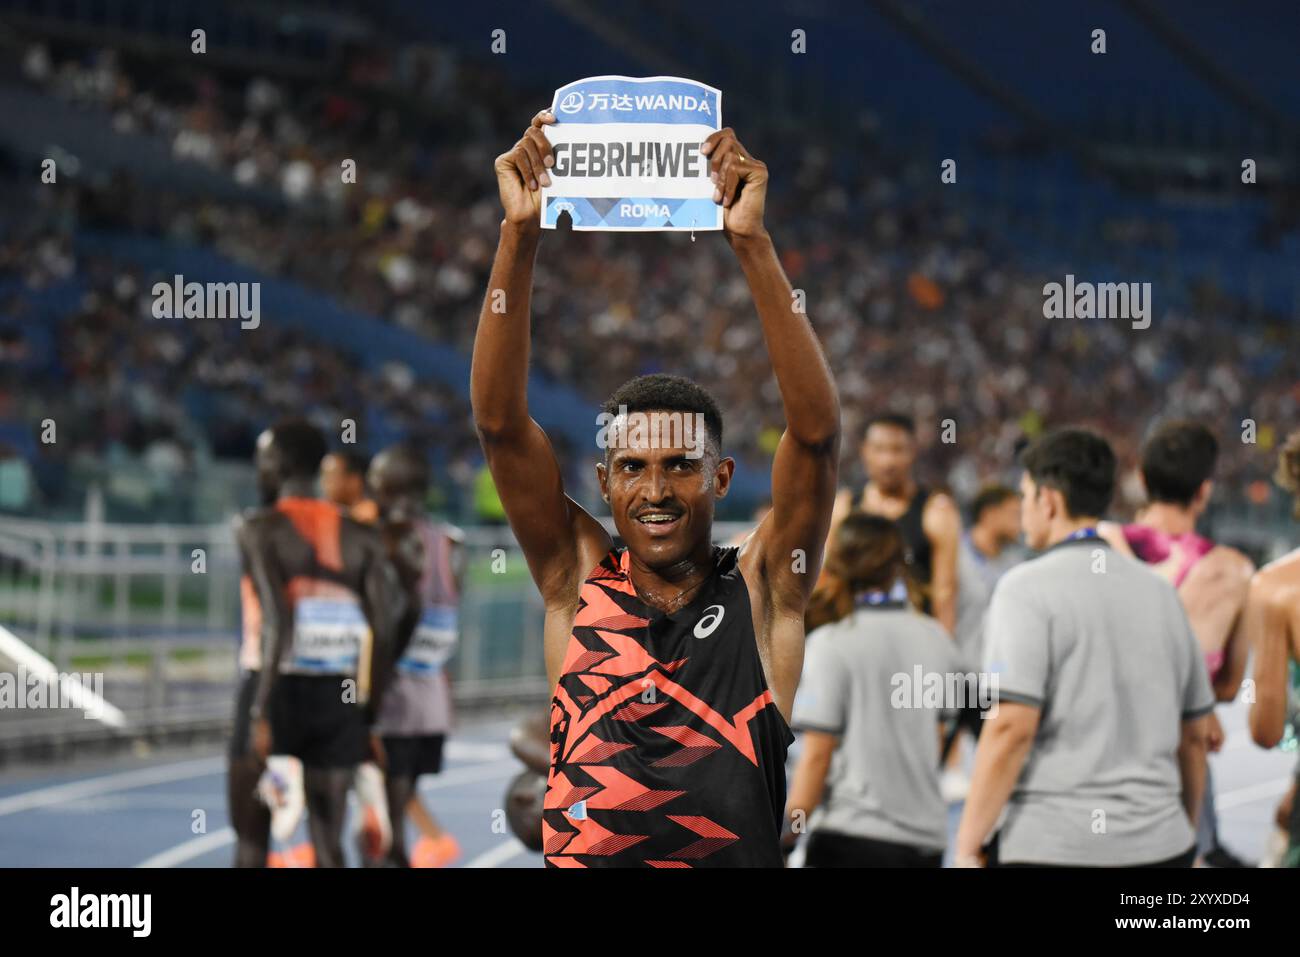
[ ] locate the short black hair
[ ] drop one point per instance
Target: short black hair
(355, 462)
(302, 446)
(1077, 463)
(990, 496)
(405, 466)
(1177, 458)
(895, 420)
(660, 392)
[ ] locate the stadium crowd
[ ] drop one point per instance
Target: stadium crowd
(903, 287)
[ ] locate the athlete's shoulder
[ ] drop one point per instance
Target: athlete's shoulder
(611, 565)
(256, 520)
(1280, 577)
(1126, 563)
(1229, 560)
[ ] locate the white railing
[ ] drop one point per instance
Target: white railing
(155, 609)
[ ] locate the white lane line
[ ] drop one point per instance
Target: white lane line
(190, 849)
(476, 751)
(1226, 800)
(499, 854)
(196, 847)
(106, 784)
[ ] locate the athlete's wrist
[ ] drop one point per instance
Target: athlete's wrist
(751, 244)
(519, 232)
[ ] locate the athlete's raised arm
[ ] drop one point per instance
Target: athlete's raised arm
(561, 542)
(789, 540)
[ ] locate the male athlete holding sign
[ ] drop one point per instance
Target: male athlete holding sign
(673, 662)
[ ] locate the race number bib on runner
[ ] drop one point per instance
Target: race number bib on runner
(627, 154)
(327, 636)
(433, 642)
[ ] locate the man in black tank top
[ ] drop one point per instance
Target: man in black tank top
(928, 520)
(673, 663)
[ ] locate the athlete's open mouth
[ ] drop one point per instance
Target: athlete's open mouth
(659, 522)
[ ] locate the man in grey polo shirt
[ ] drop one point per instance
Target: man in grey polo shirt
(1096, 751)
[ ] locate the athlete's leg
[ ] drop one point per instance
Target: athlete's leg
(249, 815)
(1292, 858)
(401, 793)
(1207, 825)
(423, 819)
(327, 805)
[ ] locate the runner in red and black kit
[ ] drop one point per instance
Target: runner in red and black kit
(673, 663)
(325, 590)
(651, 713)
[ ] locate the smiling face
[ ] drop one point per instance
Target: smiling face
(662, 496)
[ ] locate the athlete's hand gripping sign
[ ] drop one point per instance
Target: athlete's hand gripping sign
(622, 154)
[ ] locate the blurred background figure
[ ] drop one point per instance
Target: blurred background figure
(343, 482)
(1178, 461)
(866, 785)
(417, 712)
(1273, 623)
(927, 519)
(989, 547)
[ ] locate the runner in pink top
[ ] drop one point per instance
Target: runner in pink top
(1174, 557)
(1212, 580)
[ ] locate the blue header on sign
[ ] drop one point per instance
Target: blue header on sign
(614, 99)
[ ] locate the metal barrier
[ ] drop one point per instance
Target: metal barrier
(154, 609)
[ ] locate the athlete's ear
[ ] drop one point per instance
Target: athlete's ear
(602, 478)
(1056, 504)
(722, 477)
(1203, 493)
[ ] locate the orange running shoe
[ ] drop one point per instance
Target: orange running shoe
(437, 851)
(300, 855)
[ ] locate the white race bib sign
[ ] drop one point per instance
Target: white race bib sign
(433, 642)
(327, 637)
(627, 154)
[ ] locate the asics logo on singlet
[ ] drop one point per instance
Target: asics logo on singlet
(709, 623)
